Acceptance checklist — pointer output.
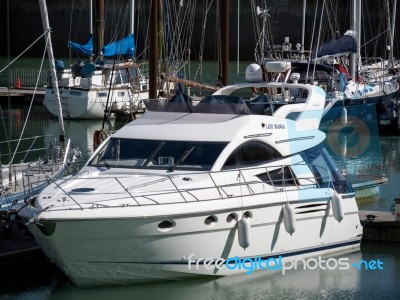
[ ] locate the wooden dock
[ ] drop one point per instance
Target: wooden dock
(380, 226)
(23, 94)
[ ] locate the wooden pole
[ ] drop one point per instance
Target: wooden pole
(99, 34)
(224, 33)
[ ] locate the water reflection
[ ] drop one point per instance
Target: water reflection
(358, 149)
(331, 283)
(296, 284)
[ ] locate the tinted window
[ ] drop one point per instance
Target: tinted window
(251, 154)
(279, 177)
(155, 154)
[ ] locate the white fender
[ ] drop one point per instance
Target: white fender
(343, 116)
(244, 232)
(289, 219)
(337, 206)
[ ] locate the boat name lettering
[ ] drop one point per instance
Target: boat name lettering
(275, 126)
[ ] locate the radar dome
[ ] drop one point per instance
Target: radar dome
(254, 73)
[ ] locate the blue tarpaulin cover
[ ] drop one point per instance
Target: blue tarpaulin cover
(86, 49)
(124, 47)
(343, 44)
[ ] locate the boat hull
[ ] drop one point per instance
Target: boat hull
(133, 249)
(81, 103)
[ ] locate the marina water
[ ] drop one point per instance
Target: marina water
(355, 152)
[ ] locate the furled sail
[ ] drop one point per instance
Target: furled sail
(84, 49)
(123, 47)
(335, 47)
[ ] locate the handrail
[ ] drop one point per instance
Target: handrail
(277, 185)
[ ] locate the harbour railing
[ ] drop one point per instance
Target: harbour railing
(27, 77)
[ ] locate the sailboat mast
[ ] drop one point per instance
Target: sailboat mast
(392, 33)
(224, 35)
(99, 24)
(358, 32)
(46, 28)
(356, 27)
(91, 17)
(132, 8)
(303, 29)
(153, 50)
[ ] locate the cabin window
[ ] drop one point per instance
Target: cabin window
(252, 153)
(121, 76)
(280, 177)
(156, 154)
(133, 72)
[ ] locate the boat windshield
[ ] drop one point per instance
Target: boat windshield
(156, 154)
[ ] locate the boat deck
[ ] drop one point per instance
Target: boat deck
(21, 181)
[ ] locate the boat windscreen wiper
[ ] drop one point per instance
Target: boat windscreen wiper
(181, 159)
(105, 163)
(146, 162)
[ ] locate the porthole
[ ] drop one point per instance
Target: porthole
(211, 220)
(231, 217)
(166, 225)
(248, 215)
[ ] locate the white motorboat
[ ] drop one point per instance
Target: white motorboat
(185, 190)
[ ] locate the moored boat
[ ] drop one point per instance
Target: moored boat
(186, 189)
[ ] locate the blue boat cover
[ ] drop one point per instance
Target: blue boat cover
(86, 49)
(124, 47)
(343, 44)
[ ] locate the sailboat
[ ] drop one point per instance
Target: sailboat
(358, 90)
(22, 181)
(348, 93)
(91, 89)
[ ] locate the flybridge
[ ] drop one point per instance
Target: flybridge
(295, 102)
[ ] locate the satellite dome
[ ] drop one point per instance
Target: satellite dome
(254, 73)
